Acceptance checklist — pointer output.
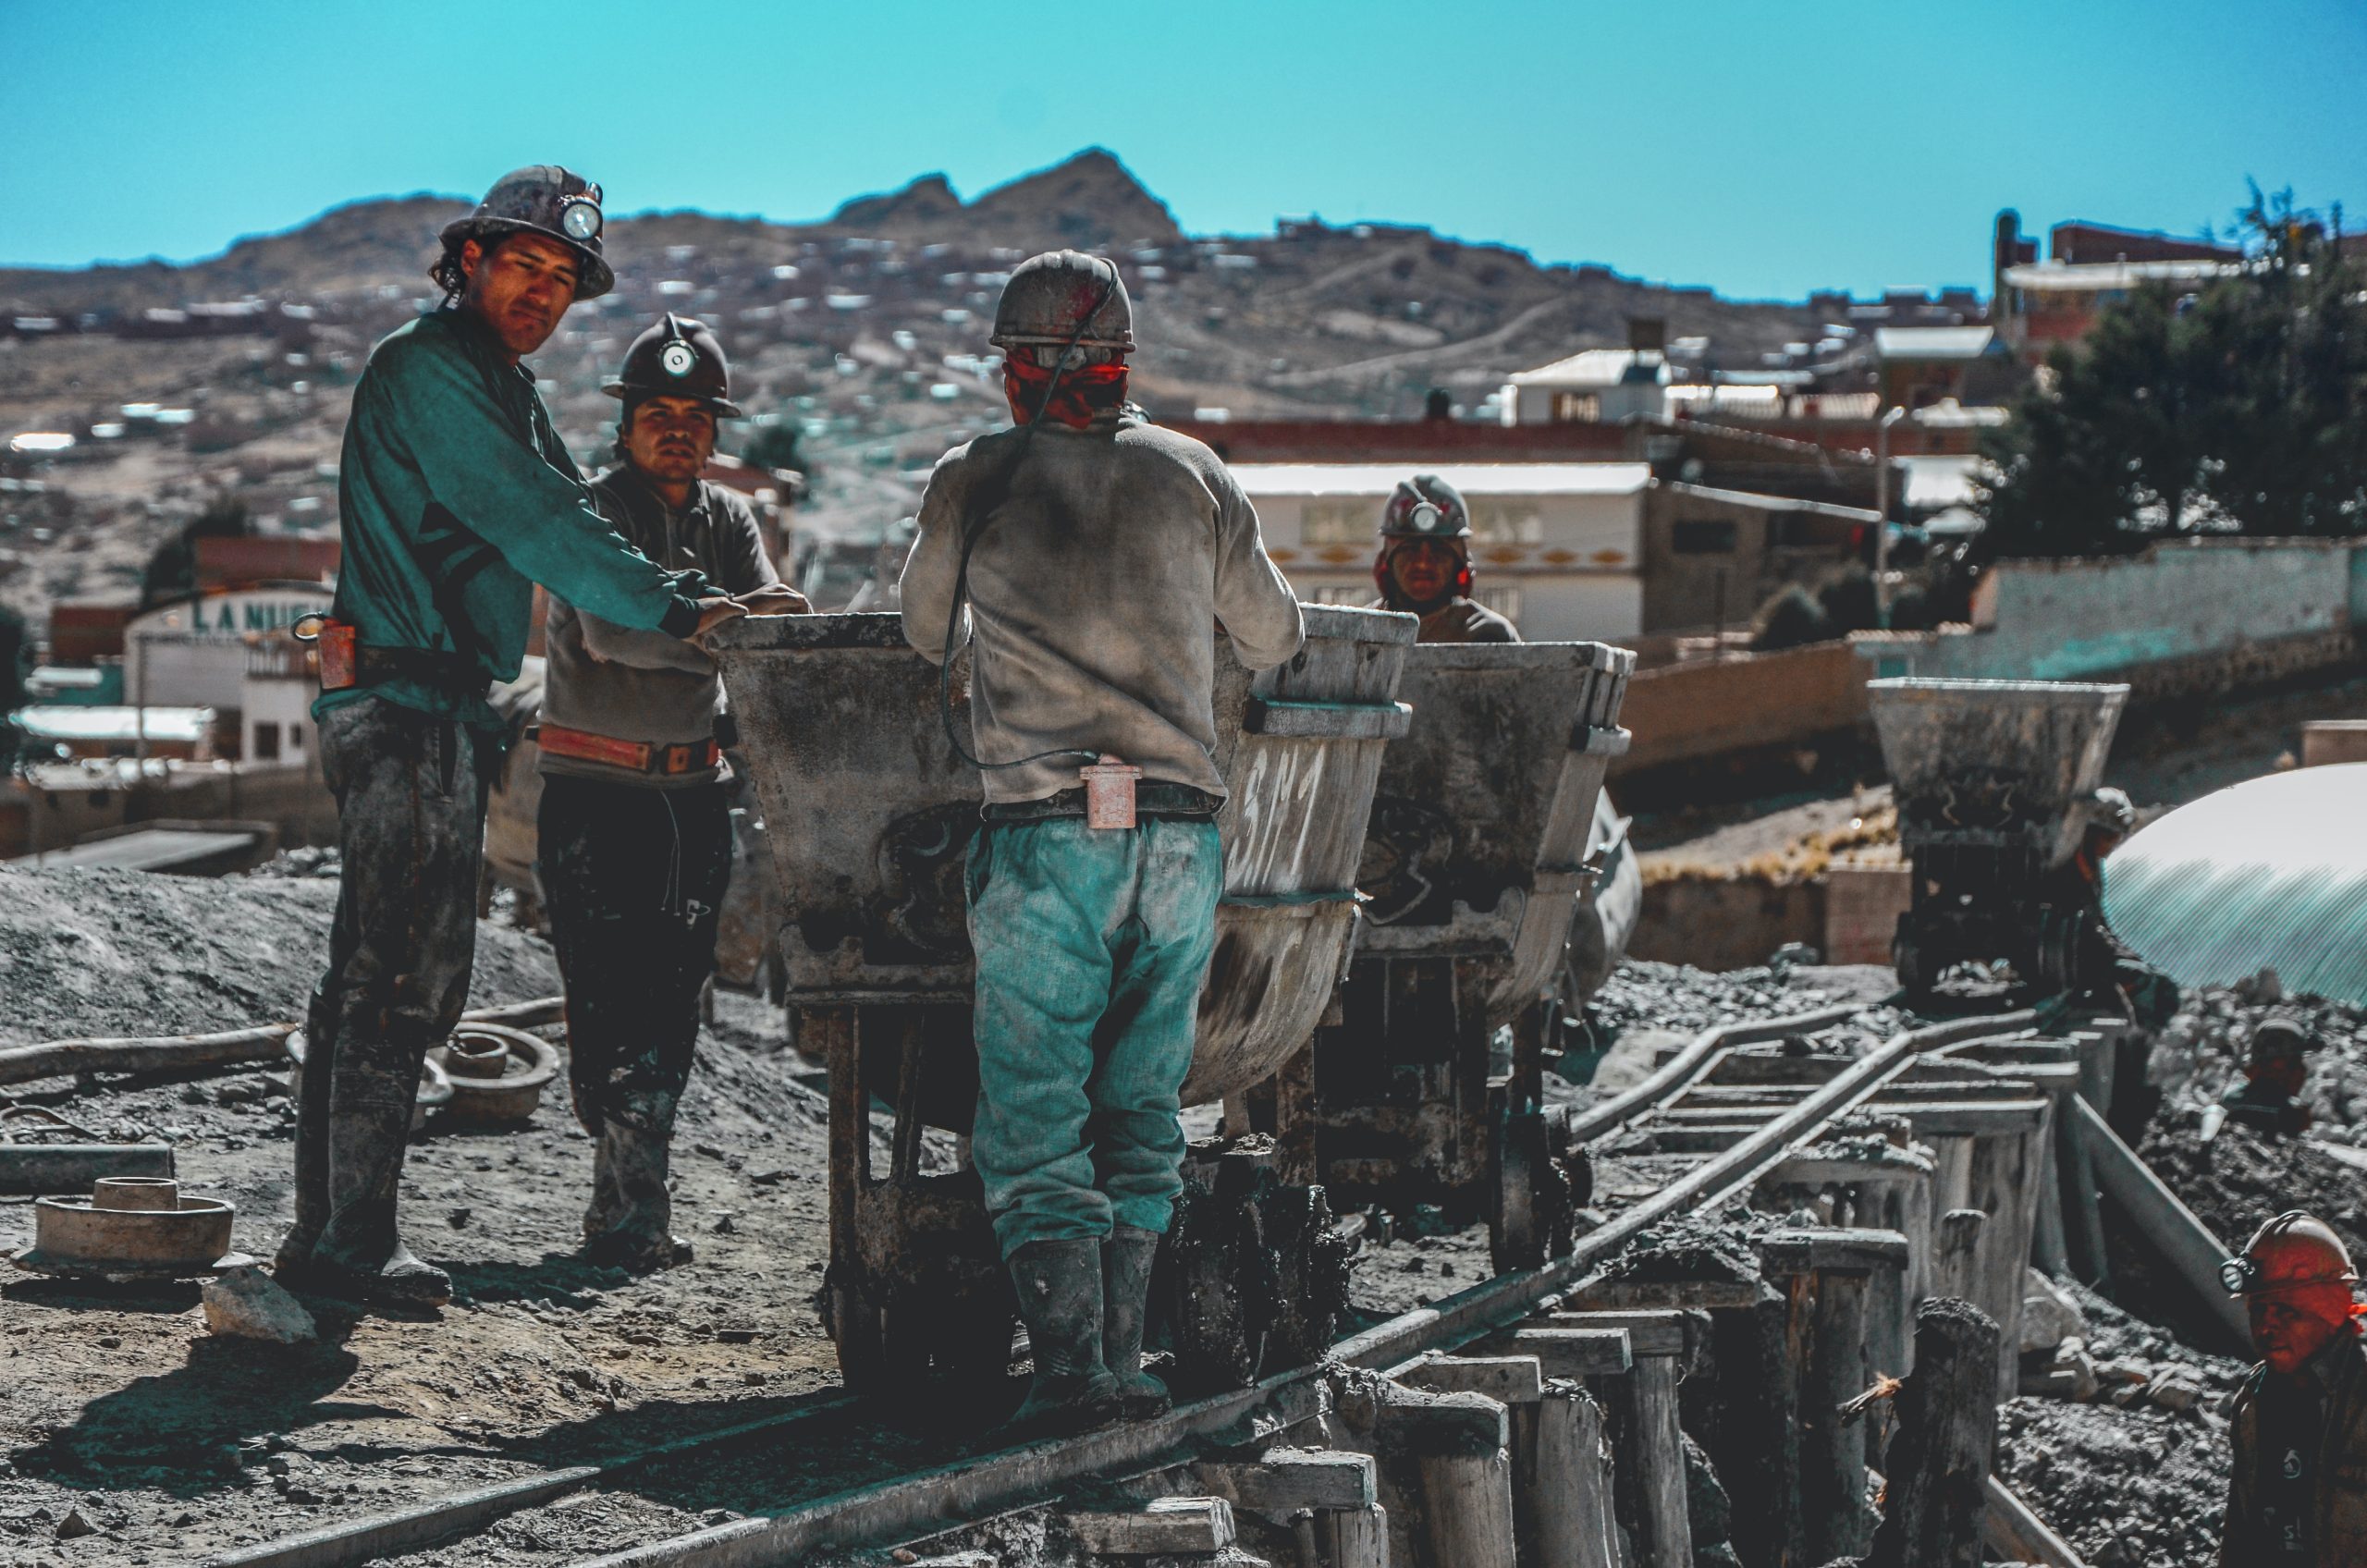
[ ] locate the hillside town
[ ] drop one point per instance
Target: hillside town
(1743, 950)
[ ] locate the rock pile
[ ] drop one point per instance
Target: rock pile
(2202, 1051)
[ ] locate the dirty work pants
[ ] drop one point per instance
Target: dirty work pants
(411, 797)
(634, 879)
(1092, 946)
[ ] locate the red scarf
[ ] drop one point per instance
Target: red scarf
(1083, 392)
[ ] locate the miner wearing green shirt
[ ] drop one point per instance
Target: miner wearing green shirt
(457, 498)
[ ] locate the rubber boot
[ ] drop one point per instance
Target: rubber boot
(361, 1256)
(626, 1225)
(1126, 1260)
(1059, 1285)
(312, 1183)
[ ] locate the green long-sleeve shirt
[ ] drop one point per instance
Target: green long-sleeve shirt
(457, 498)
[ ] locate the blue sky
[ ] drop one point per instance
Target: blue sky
(1764, 147)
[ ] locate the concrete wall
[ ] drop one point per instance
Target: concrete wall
(1744, 701)
(2070, 620)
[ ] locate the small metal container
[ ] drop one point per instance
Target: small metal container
(131, 1228)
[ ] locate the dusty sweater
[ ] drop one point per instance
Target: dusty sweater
(1094, 594)
(636, 685)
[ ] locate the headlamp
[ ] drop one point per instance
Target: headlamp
(678, 359)
(1426, 517)
(579, 217)
(2240, 1275)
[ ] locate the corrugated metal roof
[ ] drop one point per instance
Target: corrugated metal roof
(1934, 342)
(2270, 873)
(1473, 479)
(1594, 367)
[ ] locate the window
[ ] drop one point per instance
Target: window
(1577, 408)
(295, 737)
(266, 743)
(1704, 537)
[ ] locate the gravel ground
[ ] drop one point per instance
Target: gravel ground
(2202, 1051)
(2128, 1488)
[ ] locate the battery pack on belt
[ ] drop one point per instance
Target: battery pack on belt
(635, 756)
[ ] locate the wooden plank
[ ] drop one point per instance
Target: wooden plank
(1572, 1352)
(1803, 1251)
(1967, 1118)
(1665, 1532)
(1810, 1170)
(1164, 1526)
(44, 1170)
(1956, 1253)
(1649, 1333)
(1569, 1489)
(1286, 1480)
(1507, 1379)
(1665, 1295)
(1938, 1464)
(1353, 1538)
(1833, 1452)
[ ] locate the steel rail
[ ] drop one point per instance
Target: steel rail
(911, 1506)
(1681, 1069)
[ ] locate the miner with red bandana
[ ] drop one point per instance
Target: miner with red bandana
(1088, 556)
(1423, 567)
(2297, 1497)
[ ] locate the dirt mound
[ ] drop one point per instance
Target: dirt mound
(2128, 1488)
(124, 952)
(2242, 1177)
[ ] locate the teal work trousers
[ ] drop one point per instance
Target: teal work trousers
(1091, 946)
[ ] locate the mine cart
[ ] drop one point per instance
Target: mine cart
(1993, 779)
(870, 813)
(1475, 865)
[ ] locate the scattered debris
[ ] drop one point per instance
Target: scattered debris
(248, 1303)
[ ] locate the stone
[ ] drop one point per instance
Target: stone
(248, 1303)
(2174, 1391)
(75, 1526)
(2049, 1314)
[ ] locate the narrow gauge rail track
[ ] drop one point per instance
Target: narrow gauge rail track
(1724, 1138)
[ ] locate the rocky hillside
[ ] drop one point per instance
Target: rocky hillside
(863, 332)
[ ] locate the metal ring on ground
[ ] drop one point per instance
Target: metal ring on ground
(533, 1062)
(132, 1230)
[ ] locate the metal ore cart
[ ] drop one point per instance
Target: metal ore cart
(870, 815)
(1992, 780)
(1476, 866)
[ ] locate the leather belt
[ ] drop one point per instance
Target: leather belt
(1153, 798)
(635, 756)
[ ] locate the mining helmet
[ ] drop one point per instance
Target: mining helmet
(676, 358)
(1425, 507)
(548, 200)
(2280, 1035)
(1064, 297)
(2294, 1249)
(2110, 809)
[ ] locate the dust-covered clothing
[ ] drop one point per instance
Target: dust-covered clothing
(2297, 1493)
(636, 685)
(1091, 946)
(1092, 590)
(456, 497)
(410, 793)
(1457, 621)
(633, 881)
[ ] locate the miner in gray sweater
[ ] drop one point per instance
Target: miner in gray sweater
(1089, 558)
(635, 835)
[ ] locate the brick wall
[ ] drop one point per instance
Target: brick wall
(1744, 701)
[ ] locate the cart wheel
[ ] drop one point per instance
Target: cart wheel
(859, 1331)
(1531, 1220)
(1217, 1289)
(1311, 1265)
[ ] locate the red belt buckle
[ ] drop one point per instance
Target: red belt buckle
(1109, 792)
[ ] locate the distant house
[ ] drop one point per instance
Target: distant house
(2039, 304)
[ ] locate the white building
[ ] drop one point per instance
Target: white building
(193, 654)
(1600, 385)
(1557, 547)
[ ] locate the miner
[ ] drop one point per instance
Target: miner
(2297, 1491)
(2276, 1068)
(456, 497)
(1085, 555)
(635, 833)
(2109, 971)
(1425, 564)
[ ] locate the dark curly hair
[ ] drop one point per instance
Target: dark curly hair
(446, 270)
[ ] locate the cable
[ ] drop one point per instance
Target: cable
(970, 534)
